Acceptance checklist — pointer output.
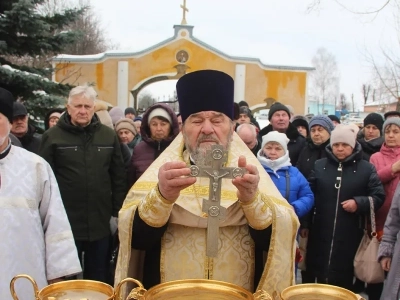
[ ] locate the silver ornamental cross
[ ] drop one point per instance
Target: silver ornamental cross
(214, 170)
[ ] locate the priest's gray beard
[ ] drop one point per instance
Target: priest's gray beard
(198, 154)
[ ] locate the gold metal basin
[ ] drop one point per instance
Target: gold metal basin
(315, 291)
(72, 290)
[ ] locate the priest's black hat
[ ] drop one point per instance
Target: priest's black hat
(203, 91)
(6, 104)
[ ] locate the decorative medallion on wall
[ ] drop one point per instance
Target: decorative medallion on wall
(269, 101)
(182, 56)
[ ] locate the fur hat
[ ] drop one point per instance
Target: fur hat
(159, 112)
(116, 114)
(391, 114)
(390, 121)
(6, 104)
(100, 108)
(343, 134)
(374, 119)
(205, 90)
(126, 123)
(322, 121)
(277, 137)
(277, 106)
(334, 118)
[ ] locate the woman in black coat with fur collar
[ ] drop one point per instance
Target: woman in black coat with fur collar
(342, 183)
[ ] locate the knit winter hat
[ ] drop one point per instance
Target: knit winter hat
(130, 110)
(6, 104)
(343, 134)
(355, 128)
(275, 136)
(245, 111)
(390, 121)
(334, 118)
(243, 103)
(116, 114)
(126, 123)
(374, 119)
(322, 121)
(300, 120)
(277, 106)
(159, 112)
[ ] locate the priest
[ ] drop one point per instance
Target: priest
(163, 224)
(36, 238)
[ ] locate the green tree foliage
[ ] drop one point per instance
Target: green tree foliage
(24, 32)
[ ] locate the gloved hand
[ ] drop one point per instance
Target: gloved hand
(113, 225)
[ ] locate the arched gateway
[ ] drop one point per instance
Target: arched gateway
(119, 76)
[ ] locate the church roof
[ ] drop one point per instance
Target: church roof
(94, 58)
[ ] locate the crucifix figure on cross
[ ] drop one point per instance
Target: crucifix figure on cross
(185, 9)
(214, 169)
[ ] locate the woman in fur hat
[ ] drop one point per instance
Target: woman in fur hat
(342, 183)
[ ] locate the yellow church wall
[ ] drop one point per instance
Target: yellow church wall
(102, 74)
(286, 86)
(162, 61)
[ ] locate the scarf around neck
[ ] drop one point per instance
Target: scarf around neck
(276, 164)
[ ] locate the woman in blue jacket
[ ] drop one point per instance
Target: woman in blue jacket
(293, 186)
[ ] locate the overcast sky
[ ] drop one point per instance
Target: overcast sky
(276, 31)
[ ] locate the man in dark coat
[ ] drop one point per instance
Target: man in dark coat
(25, 132)
(86, 158)
(279, 118)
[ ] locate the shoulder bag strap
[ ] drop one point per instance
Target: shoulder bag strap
(373, 225)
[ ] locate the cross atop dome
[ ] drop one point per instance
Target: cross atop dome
(184, 10)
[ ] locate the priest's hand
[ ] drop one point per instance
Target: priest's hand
(172, 178)
(248, 184)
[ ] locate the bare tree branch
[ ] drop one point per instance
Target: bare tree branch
(315, 4)
(325, 78)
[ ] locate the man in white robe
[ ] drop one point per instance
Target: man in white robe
(35, 234)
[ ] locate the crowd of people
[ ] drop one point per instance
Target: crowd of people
(95, 173)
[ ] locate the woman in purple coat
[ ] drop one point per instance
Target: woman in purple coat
(159, 128)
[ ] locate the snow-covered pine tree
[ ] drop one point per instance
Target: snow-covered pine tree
(27, 35)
